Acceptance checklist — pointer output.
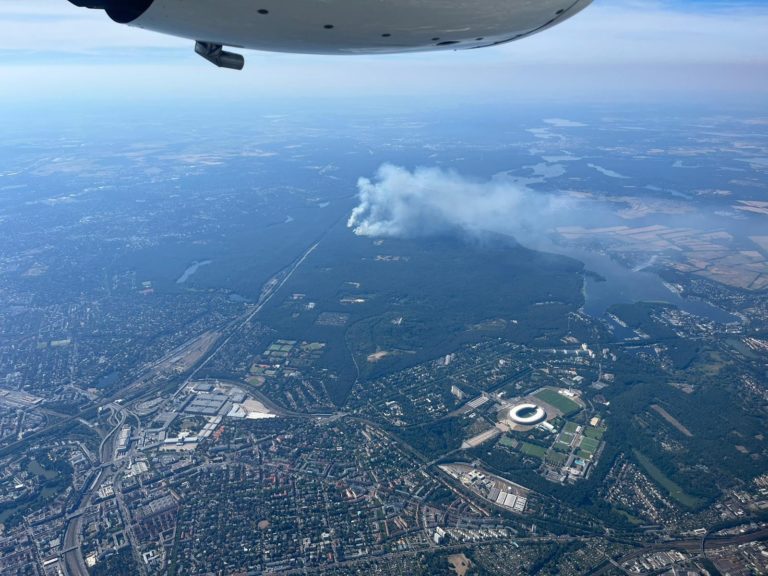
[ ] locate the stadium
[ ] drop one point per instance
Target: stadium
(527, 414)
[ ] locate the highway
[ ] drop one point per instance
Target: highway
(139, 387)
(692, 546)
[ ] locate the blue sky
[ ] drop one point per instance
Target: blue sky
(615, 50)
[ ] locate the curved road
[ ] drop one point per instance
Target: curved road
(73, 553)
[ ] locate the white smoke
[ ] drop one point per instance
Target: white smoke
(429, 201)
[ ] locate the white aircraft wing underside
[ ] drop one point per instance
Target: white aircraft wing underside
(355, 26)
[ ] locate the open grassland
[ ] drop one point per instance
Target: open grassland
(672, 420)
(674, 490)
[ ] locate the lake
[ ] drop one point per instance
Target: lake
(623, 285)
(191, 269)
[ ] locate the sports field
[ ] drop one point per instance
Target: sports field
(533, 450)
(589, 445)
(557, 400)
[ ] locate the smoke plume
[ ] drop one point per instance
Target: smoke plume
(429, 201)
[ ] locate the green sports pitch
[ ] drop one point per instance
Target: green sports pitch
(557, 400)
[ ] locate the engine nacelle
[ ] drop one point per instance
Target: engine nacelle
(122, 11)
